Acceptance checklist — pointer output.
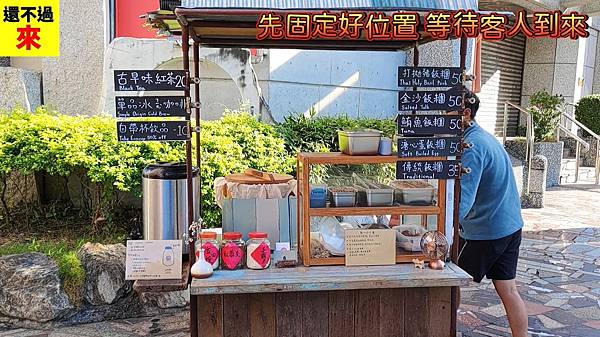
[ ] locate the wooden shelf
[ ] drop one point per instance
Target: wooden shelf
(338, 158)
(341, 211)
(305, 212)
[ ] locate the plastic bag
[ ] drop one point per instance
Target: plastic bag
(408, 237)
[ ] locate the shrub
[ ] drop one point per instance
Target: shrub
(588, 112)
(62, 145)
(313, 134)
(232, 144)
(546, 110)
(319, 134)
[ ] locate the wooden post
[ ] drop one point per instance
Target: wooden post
(455, 293)
(185, 48)
(197, 117)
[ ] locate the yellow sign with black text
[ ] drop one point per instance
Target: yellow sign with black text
(29, 28)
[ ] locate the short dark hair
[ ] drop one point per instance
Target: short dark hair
(471, 102)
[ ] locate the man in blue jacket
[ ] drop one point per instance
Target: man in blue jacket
(490, 216)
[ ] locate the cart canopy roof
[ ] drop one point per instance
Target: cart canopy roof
(233, 23)
(372, 5)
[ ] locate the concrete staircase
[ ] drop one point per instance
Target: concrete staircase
(568, 168)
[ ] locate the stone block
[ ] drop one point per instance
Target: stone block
(104, 267)
(30, 288)
(564, 79)
(540, 51)
(20, 88)
(537, 77)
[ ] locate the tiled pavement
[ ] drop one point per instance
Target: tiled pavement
(558, 273)
(558, 277)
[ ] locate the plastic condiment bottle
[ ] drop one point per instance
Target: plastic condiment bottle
(233, 251)
(211, 247)
(258, 251)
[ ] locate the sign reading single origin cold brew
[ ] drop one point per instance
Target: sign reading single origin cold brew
(426, 169)
(150, 106)
(449, 100)
(429, 76)
(152, 131)
(149, 80)
(429, 146)
(429, 124)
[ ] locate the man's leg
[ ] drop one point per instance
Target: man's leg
(514, 305)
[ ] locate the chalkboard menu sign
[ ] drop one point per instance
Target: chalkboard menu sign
(429, 76)
(149, 80)
(152, 131)
(450, 100)
(429, 124)
(423, 169)
(150, 106)
(429, 146)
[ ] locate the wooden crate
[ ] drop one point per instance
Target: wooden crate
(404, 312)
(304, 163)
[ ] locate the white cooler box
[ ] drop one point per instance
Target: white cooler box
(276, 217)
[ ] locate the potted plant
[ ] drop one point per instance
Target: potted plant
(546, 110)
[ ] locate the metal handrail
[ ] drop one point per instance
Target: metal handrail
(577, 150)
(529, 138)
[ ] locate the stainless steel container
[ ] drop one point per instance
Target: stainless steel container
(165, 204)
(380, 197)
(343, 198)
(415, 192)
(359, 142)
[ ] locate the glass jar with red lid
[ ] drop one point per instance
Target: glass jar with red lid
(258, 251)
(207, 241)
(233, 251)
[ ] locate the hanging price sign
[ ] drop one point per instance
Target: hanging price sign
(449, 100)
(152, 131)
(429, 146)
(429, 76)
(425, 169)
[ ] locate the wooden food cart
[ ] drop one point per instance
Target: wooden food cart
(332, 300)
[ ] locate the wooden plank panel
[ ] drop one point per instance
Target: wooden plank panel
(210, 316)
(287, 308)
(440, 311)
(315, 314)
(341, 313)
(262, 315)
(391, 304)
(416, 314)
(235, 313)
(342, 211)
(327, 278)
(367, 312)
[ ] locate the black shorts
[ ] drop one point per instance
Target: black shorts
(495, 259)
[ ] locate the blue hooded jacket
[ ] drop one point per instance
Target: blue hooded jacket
(490, 206)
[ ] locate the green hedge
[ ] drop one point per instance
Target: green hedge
(588, 112)
(45, 141)
(308, 133)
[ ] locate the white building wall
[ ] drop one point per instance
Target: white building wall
(358, 84)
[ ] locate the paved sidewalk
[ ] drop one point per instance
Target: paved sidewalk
(558, 277)
(558, 274)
